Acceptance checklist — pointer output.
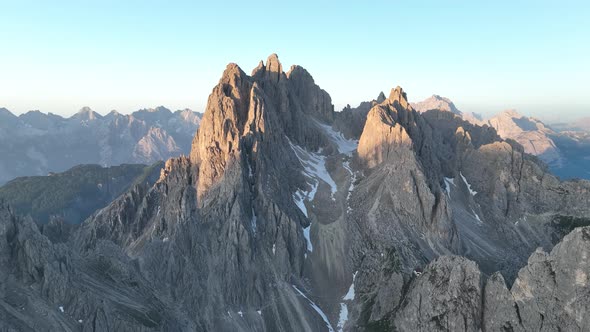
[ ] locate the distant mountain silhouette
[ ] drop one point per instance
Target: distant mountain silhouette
(36, 143)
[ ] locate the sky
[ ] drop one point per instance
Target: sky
(533, 56)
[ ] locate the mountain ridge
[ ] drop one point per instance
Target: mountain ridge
(286, 216)
(565, 152)
(36, 143)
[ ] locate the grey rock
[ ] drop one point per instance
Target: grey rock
(277, 221)
(446, 297)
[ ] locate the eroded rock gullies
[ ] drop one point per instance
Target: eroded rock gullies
(550, 294)
(280, 220)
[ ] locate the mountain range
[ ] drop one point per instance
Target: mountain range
(564, 147)
(36, 143)
(289, 216)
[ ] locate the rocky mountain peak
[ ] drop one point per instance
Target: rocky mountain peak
(275, 197)
(381, 98)
(384, 134)
(5, 112)
(217, 141)
(160, 109)
(273, 64)
(7, 118)
(436, 102)
(512, 113)
(259, 68)
(398, 96)
(86, 113)
(272, 71)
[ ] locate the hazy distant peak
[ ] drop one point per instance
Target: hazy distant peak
(86, 113)
(7, 119)
(436, 102)
(162, 109)
(37, 115)
(4, 112)
(511, 113)
(112, 115)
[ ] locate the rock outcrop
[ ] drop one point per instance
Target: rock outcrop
(565, 148)
(530, 133)
(550, 294)
(446, 297)
(280, 220)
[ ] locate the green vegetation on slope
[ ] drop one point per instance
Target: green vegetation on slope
(76, 193)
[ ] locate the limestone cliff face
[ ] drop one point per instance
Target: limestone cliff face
(446, 297)
(387, 150)
(530, 133)
(550, 294)
(351, 121)
(278, 221)
(384, 137)
(440, 185)
(219, 219)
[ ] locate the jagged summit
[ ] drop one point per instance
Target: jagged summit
(86, 113)
(326, 232)
(510, 113)
(436, 102)
(398, 94)
(272, 71)
(112, 115)
(242, 111)
(273, 64)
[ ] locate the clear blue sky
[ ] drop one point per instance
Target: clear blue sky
(487, 56)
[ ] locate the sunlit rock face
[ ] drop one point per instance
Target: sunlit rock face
(285, 216)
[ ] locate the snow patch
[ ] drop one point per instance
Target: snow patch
(274, 248)
(241, 314)
(346, 166)
(476, 216)
(473, 192)
(343, 144)
(259, 312)
(298, 198)
(342, 317)
(253, 221)
(61, 308)
(350, 294)
(250, 175)
(80, 321)
(317, 309)
(448, 183)
(307, 235)
(314, 167)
